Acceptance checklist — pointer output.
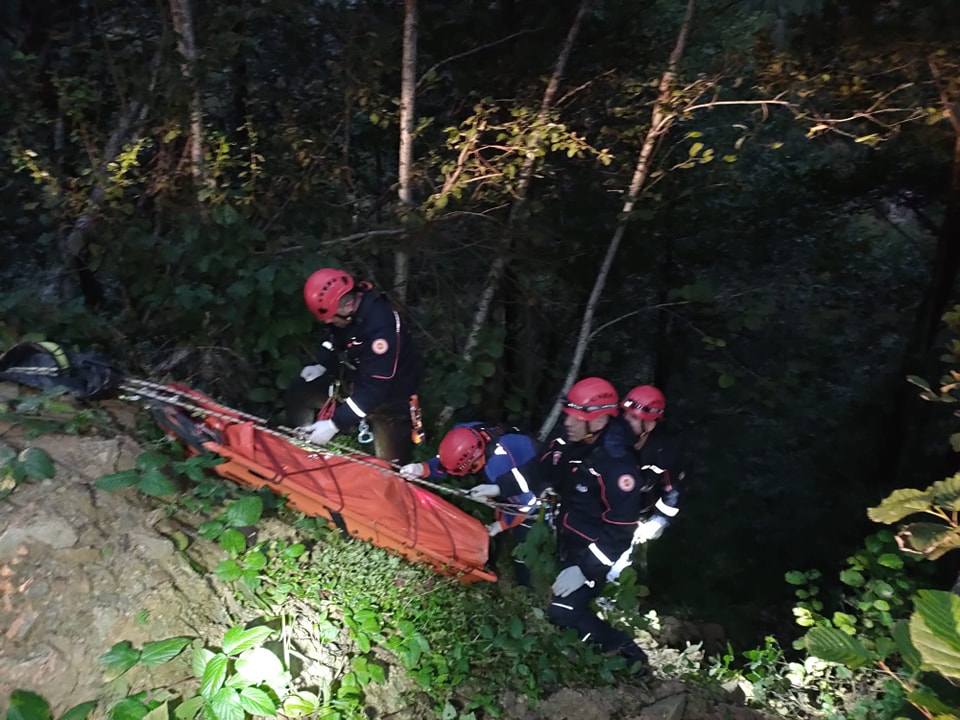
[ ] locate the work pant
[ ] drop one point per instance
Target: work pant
(391, 432)
(574, 611)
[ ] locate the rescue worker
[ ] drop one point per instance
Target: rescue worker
(593, 470)
(368, 349)
(495, 450)
(659, 463)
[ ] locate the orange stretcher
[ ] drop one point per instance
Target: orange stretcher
(357, 493)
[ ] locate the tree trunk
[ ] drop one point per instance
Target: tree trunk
(495, 273)
(182, 14)
(408, 100)
(660, 121)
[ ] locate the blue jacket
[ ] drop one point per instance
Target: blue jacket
(507, 452)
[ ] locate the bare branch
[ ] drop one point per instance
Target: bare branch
(467, 53)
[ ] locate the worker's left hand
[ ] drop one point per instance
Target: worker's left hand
(650, 529)
(320, 432)
(568, 581)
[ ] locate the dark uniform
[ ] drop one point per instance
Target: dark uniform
(601, 499)
(506, 451)
(379, 369)
(659, 462)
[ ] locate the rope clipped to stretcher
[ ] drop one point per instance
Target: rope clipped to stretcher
(136, 389)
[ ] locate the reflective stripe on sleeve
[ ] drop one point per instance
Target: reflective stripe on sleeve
(598, 554)
(521, 480)
(666, 509)
(356, 408)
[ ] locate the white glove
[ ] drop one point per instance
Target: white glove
(494, 528)
(312, 372)
(483, 492)
(320, 432)
(412, 471)
(650, 529)
(569, 580)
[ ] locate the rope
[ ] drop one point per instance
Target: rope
(169, 396)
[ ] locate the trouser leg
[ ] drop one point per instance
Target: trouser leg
(303, 399)
(520, 570)
(391, 438)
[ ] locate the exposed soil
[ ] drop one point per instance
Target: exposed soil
(82, 569)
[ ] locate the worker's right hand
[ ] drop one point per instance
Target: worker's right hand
(413, 471)
(483, 492)
(312, 372)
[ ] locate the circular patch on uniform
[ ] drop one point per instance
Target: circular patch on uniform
(626, 482)
(379, 346)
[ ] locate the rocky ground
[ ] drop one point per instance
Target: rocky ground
(82, 569)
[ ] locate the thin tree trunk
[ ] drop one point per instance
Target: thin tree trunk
(182, 14)
(495, 273)
(660, 121)
(408, 100)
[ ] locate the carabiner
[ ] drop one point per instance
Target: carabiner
(364, 436)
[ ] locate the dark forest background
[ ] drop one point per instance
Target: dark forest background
(172, 172)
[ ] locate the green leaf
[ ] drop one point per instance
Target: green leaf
(795, 577)
(891, 561)
(188, 709)
(118, 659)
(37, 463)
(214, 673)
(233, 541)
(225, 705)
(228, 570)
(255, 560)
(156, 484)
(201, 656)
(852, 578)
(301, 703)
(899, 504)
(486, 368)
(946, 493)
(695, 149)
(245, 511)
(725, 380)
(836, 646)
(256, 702)
(258, 665)
(160, 651)
(7, 454)
(908, 652)
(238, 639)
(929, 539)
(935, 630)
(151, 460)
(117, 480)
(80, 712)
(25, 705)
(129, 708)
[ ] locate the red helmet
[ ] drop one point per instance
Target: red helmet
(323, 290)
(645, 402)
(461, 451)
(591, 398)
